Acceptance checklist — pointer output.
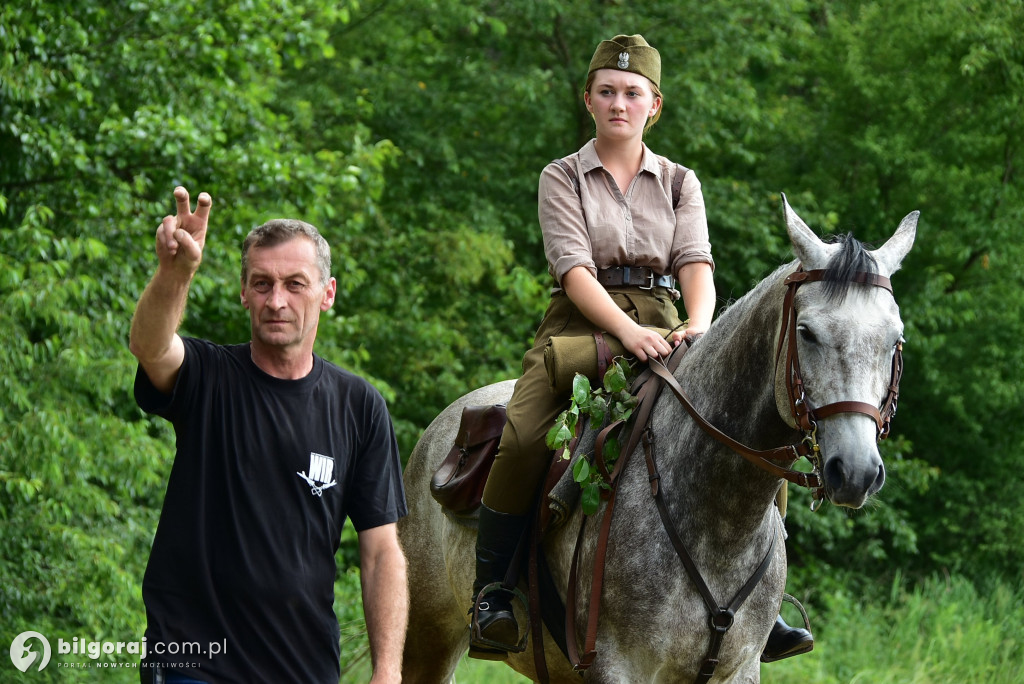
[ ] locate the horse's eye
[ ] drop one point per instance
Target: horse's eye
(807, 334)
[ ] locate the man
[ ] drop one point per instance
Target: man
(275, 447)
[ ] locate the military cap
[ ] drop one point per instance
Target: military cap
(628, 53)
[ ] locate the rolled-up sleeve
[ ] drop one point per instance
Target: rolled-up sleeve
(563, 224)
(691, 243)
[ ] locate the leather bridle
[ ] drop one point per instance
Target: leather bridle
(806, 415)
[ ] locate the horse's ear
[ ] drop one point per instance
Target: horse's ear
(808, 247)
(890, 255)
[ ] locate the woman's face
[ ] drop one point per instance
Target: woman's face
(621, 103)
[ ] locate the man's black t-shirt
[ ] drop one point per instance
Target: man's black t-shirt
(240, 581)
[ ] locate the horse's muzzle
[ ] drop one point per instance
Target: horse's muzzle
(850, 486)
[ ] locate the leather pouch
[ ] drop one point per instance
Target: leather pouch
(458, 483)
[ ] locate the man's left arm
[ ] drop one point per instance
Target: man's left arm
(385, 600)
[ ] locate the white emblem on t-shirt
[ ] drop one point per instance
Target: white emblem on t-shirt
(321, 473)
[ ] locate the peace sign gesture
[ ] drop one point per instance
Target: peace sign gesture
(180, 238)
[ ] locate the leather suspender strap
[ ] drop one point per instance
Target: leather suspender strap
(677, 184)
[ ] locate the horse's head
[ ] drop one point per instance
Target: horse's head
(843, 336)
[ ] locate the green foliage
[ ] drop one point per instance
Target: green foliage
(608, 404)
(880, 123)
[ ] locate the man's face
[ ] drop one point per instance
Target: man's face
(283, 294)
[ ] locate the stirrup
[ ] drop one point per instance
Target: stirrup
(488, 647)
(787, 598)
(807, 648)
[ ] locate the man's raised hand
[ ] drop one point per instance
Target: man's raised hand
(180, 238)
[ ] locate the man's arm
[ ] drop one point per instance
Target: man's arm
(385, 600)
(179, 248)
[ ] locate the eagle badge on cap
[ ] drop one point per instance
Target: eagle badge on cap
(623, 60)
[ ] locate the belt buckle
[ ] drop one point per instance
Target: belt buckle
(650, 280)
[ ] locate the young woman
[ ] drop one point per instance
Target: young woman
(615, 238)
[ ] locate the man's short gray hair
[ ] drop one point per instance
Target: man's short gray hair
(277, 231)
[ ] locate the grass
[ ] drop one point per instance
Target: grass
(941, 631)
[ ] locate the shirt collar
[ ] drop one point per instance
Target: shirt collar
(590, 161)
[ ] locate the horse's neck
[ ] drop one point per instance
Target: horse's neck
(729, 375)
(734, 367)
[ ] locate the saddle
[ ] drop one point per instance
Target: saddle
(458, 486)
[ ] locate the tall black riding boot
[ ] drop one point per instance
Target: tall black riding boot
(494, 631)
(785, 641)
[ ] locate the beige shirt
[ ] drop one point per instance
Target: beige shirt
(601, 227)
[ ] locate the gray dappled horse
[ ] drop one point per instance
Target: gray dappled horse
(653, 623)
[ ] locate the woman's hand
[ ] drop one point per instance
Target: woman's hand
(646, 343)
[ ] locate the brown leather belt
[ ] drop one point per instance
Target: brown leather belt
(637, 276)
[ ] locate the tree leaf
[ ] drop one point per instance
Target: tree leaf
(591, 498)
(615, 377)
(581, 470)
(581, 390)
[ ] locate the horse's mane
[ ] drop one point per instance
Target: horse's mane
(852, 257)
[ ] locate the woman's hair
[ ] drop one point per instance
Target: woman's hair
(655, 90)
(277, 231)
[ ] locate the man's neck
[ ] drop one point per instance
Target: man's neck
(286, 364)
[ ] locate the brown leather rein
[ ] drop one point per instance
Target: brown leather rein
(806, 417)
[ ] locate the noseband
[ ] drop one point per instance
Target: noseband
(804, 413)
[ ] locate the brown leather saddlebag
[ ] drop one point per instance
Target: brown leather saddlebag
(459, 481)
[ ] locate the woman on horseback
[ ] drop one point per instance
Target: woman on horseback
(621, 225)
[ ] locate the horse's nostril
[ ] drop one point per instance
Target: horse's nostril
(879, 480)
(834, 476)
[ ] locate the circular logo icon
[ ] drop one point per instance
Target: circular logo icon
(23, 656)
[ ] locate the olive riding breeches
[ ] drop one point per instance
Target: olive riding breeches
(523, 457)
